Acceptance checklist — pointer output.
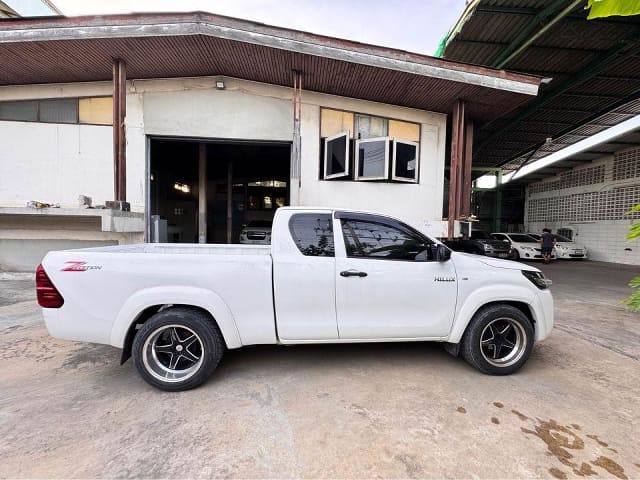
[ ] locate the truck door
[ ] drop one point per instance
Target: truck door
(387, 283)
(304, 269)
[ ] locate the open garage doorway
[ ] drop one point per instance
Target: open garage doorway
(206, 191)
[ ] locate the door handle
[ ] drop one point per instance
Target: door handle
(352, 273)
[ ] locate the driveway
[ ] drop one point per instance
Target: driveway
(356, 411)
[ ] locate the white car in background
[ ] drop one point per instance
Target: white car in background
(566, 248)
(256, 232)
(523, 246)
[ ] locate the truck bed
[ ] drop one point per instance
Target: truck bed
(106, 287)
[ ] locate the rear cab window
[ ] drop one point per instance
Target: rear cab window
(313, 234)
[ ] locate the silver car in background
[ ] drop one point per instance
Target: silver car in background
(256, 232)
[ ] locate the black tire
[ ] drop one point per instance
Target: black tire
(498, 328)
(514, 255)
(177, 349)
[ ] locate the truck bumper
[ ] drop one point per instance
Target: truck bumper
(60, 326)
(543, 314)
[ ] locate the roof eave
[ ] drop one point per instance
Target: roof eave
(131, 26)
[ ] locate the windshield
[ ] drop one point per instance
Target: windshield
(522, 238)
(480, 235)
(560, 238)
(535, 235)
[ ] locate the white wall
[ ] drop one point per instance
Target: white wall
(198, 109)
(604, 238)
(416, 203)
(256, 111)
(54, 163)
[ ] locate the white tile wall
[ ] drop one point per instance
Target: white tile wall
(592, 201)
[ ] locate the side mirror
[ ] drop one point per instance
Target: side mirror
(442, 253)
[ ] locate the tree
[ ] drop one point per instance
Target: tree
(633, 301)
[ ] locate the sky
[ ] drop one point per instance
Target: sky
(413, 25)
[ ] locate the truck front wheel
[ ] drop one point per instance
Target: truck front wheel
(177, 349)
(498, 340)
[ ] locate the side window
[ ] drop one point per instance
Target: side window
(383, 239)
(313, 234)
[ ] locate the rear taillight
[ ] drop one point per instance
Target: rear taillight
(48, 295)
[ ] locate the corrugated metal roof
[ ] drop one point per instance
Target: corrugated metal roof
(197, 44)
(594, 66)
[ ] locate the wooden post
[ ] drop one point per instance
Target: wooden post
(119, 135)
(465, 208)
(455, 171)
(229, 201)
(202, 193)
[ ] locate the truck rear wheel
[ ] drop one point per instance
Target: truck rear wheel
(177, 349)
(498, 340)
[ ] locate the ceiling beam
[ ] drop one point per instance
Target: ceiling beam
(610, 57)
(590, 95)
(539, 47)
(527, 35)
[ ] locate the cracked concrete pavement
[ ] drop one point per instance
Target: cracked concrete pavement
(348, 411)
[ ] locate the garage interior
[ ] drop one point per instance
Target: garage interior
(205, 191)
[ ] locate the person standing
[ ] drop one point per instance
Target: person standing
(547, 243)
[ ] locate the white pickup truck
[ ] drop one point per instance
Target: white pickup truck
(329, 276)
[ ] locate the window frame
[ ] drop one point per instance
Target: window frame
(380, 219)
(356, 166)
(76, 102)
(347, 135)
(77, 99)
(393, 163)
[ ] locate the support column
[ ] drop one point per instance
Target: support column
(465, 206)
(455, 172)
(497, 216)
(296, 146)
(119, 135)
(229, 201)
(460, 170)
(202, 193)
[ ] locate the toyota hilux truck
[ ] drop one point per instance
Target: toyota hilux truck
(329, 276)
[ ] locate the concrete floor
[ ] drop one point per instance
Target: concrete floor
(394, 410)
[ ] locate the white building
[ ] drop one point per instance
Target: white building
(590, 203)
(216, 130)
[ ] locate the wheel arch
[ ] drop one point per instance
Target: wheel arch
(518, 297)
(144, 304)
(149, 312)
(453, 343)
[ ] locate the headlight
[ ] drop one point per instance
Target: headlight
(486, 246)
(529, 249)
(537, 278)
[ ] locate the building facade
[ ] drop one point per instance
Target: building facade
(591, 205)
(207, 150)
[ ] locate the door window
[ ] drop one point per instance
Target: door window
(313, 234)
(374, 237)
